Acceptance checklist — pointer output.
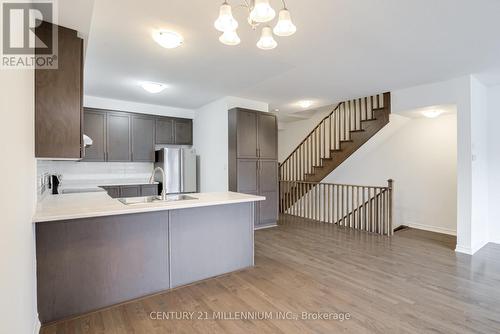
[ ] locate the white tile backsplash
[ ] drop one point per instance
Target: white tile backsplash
(84, 171)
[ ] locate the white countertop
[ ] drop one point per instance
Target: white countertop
(85, 205)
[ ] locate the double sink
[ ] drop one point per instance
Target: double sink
(155, 199)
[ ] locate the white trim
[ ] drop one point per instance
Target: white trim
(36, 329)
(470, 250)
(433, 229)
(264, 227)
(464, 250)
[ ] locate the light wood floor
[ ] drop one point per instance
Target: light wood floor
(411, 283)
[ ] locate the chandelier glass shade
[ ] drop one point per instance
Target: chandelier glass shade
(284, 27)
(262, 12)
(226, 20)
(259, 11)
(230, 37)
(266, 41)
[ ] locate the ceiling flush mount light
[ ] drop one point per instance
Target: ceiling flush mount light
(168, 39)
(432, 113)
(266, 41)
(305, 103)
(230, 37)
(153, 87)
(259, 11)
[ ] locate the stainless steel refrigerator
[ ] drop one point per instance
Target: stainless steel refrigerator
(180, 169)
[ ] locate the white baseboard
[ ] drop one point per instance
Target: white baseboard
(36, 329)
(471, 250)
(464, 250)
(264, 227)
(433, 229)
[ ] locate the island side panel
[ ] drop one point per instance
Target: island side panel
(210, 241)
(87, 264)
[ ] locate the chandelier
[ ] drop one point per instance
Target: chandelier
(260, 12)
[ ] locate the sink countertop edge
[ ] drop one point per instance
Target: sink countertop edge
(66, 207)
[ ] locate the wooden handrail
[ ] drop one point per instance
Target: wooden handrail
(310, 133)
(330, 134)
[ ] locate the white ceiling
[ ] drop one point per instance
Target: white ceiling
(342, 49)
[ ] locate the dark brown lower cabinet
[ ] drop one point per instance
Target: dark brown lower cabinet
(259, 177)
(268, 187)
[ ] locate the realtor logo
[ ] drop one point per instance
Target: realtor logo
(28, 40)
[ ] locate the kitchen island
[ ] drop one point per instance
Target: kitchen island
(94, 251)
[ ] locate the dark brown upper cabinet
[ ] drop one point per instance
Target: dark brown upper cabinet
(118, 137)
(183, 131)
(268, 141)
(59, 99)
(247, 123)
(143, 139)
(164, 131)
(95, 127)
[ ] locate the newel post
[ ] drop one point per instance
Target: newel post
(390, 186)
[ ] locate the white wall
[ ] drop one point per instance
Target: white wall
(494, 162)
(141, 108)
(291, 134)
(456, 92)
(210, 132)
(480, 235)
(18, 312)
(420, 155)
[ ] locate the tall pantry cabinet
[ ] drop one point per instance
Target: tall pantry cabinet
(253, 160)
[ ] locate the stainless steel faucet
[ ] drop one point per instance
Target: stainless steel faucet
(163, 184)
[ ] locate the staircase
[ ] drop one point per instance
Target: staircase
(350, 125)
(338, 135)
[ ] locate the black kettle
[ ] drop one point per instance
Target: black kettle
(55, 180)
